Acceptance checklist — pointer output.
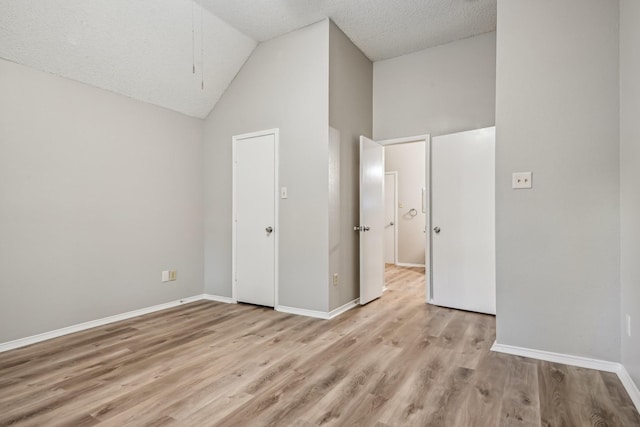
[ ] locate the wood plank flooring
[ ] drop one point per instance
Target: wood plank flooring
(394, 362)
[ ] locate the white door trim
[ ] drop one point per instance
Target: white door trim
(427, 250)
(276, 140)
(395, 216)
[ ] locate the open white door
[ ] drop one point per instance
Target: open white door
(463, 220)
(371, 226)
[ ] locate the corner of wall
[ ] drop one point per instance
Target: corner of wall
(284, 84)
(350, 115)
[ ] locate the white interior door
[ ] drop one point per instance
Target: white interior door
(390, 209)
(255, 230)
(371, 226)
(463, 220)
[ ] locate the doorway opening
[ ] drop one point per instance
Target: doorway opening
(453, 214)
(406, 244)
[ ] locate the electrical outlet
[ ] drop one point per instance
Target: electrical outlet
(628, 325)
(335, 279)
(165, 276)
(521, 180)
(173, 275)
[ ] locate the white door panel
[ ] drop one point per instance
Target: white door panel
(463, 220)
(371, 220)
(254, 190)
(390, 209)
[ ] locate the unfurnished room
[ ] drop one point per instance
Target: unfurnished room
(319, 212)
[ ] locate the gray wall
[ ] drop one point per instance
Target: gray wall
(629, 179)
(98, 194)
(283, 84)
(445, 89)
(409, 161)
(557, 245)
(350, 105)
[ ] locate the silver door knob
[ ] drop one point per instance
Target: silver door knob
(269, 230)
(436, 229)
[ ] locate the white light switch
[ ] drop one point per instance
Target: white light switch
(521, 180)
(283, 193)
(165, 276)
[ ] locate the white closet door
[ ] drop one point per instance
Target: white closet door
(254, 205)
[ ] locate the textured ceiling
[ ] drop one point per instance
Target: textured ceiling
(380, 28)
(139, 48)
(145, 49)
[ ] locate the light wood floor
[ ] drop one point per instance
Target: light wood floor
(396, 361)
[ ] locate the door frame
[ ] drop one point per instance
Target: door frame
(427, 185)
(276, 207)
(395, 215)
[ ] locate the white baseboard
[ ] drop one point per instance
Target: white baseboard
(346, 307)
(582, 362)
(408, 264)
(630, 386)
(567, 359)
(318, 314)
(21, 342)
(218, 298)
(302, 312)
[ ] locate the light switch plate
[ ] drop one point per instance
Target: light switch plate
(521, 180)
(283, 193)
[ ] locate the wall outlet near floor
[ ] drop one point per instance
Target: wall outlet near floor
(335, 279)
(628, 325)
(169, 275)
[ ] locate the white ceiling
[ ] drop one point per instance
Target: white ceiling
(138, 48)
(380, 28)
(144, 49)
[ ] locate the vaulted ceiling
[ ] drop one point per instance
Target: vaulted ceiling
(148, 49)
